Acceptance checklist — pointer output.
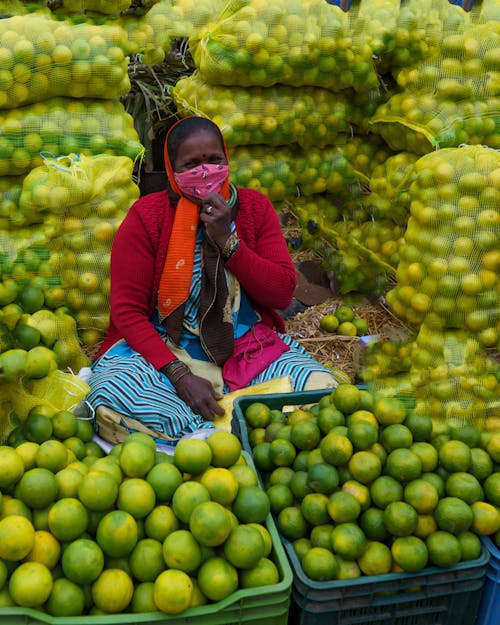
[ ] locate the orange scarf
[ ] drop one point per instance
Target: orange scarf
(175, 281)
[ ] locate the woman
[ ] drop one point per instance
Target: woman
(198, 273)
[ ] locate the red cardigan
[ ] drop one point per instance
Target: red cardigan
(261, 263)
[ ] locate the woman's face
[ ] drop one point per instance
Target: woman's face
(201, 147)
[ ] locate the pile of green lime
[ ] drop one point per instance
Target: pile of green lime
(361, 485)
(344, 321)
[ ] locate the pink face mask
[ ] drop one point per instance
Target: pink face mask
(203, 179)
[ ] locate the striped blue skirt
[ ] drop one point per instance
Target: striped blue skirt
(126, 382)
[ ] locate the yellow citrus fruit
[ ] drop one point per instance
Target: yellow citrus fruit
(52, 455)
(493, 447)
(453, 515)
(68, 519)
(187, 496)
(319, 564)
(165, 478)
(30, 584)
(343, 507)
(403, 465)
(140, 437)
(395, 436)
(265, 573)
(27, 451)
(37, 488)
(11, 466)
(112, 591)
(362, 434)
(217, 578)
(182, 551)
(421, 495)
(46, 549)
(13, 506)
(172, 591)
(426, 524)
(481, 465)
(455, 455)
(358, 490)
(336, 449)
(258, 415)
(66, 598)
(364, 466)
(486, 518)
(85, 430)
(98, 490)
(210, 523)
(282, 452)
(109, 465)
(251, 505)
(142, 599)
(160, 522)
(291, 523)
(68, 480)
(348, 540)
(225, 447)
(76, 445)
(491, 486)
(17, 537)
(470, 545)
(409, 553)
(146, 560)
(427, 453)
(362, 415)
(329, 417)
(266, 537)
(117, 533)
(400, 519)
(436, 480)
(136, 496)
(136, 458)
(464, 486)
(443, 548)
(376, 559)
(38, 427)
(346, 398)
(322, 477)
(314, 507)
(347, 328)
(344, 313)
(329, 323)
(244, 474)
(64, 424)
(305, 434)
(371, 522)
(221, 484)
(389, 410)
(192, 455)
(82, 561)
(244, 546)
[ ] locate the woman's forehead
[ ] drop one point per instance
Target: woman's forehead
(202, 138)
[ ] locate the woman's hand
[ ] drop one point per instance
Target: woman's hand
(215, 214)
(200, 396)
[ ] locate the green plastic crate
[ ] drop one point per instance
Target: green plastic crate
(266, 605)
(433, 596)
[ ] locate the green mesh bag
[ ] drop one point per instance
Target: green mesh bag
(389, 188)
(448, 275)
(294, 42)
(105, 7)
(277, 115)
(143, 40)
(10, 192)
(420, 27)
(43, 58)
(183, 18)
(61, 126)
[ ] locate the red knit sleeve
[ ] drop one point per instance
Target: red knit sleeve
(132, 273)
(262, 263)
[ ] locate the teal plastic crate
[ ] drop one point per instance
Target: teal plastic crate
(275, 401)
(266, 605)
(433, 596)
(489, 609)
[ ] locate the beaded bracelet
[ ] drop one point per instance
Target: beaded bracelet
(230, 246)
(175, 371)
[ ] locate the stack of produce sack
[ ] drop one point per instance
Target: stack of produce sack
(448, 288)
(59, 105)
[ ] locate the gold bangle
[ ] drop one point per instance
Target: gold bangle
(230, 246)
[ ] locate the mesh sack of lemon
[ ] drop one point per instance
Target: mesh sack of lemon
(276, 115)
(296, 43)
(448, 269)
(449, 97)
(63, 126)
(51, 58)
